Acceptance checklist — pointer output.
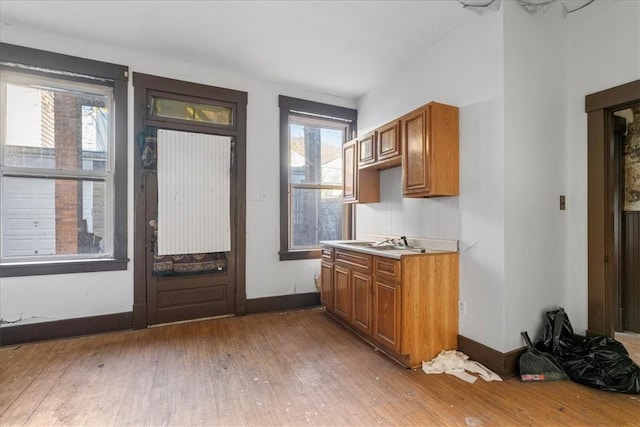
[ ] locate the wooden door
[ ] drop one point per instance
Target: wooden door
(342, 292)
(362, 287)
(160, 299)
(387, 311)
(178, 297)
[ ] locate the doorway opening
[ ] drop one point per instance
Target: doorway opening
(613, 267)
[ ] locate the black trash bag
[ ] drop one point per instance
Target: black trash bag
(599, 362)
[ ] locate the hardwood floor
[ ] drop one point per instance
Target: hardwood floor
(631, 342)
(293, 368)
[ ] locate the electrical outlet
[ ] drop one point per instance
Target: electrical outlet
(462, 307)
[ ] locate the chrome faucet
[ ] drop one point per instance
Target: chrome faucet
(402, 241)
(387, 240)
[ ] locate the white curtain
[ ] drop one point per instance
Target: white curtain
(193, 193)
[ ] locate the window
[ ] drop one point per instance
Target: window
(218, 113)
(62, 163)
(311, 208)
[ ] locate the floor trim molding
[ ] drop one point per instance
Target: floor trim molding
(283, 302)
(30, 332)
(503, 364)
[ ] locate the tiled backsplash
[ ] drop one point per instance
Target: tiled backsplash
(394, 215)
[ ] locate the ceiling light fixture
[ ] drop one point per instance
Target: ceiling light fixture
(480, 6)
(531, 6)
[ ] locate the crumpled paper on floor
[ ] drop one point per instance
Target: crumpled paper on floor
(457, 363)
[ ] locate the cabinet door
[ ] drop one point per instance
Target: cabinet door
(415, 153)
(342, 292)
(362, 289)
(387, 313)
(389, 142)
(359, 186)
(366, 149)
(349, 171)
(326, 285)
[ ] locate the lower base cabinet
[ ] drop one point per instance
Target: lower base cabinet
(361, 301)
(388, 313)
(407, 308)
(342, 292)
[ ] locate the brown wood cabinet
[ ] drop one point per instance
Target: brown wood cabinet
(326, 277)
(381, 148)
(359, 186)
(388, 313)
(349, 170)
(388, 147)
(342, 292)
(408, 307)
(430, 151)
(362, 290)
(425, 142)
(366, 149)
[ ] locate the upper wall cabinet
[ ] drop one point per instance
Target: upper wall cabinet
(381, 148)
(430, 152)
(359, 186)
(366, 149)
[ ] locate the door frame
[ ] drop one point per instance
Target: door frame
(603, 207)
(142, 84)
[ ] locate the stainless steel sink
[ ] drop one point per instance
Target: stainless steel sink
(363, 244)
(376, 246)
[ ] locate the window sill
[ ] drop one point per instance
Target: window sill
(295, 255)
(61, 267)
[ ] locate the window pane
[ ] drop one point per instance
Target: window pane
(315, 154)
(191, 111)
(53, 217)
(316, 215)
(56, 129)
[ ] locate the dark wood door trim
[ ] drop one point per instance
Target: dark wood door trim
(603, 206)
(142, 83)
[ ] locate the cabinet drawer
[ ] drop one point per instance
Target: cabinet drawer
(327, 253)
(354, 259)
(387, 268)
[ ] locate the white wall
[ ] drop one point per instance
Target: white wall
(464, 69)
(45, 298)
(603, 52)
(535, 122)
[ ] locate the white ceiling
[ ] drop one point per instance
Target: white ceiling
(342, 48)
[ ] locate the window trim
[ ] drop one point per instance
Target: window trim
(50, 64)
(300, 107)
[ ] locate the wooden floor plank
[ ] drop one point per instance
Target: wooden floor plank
(293, 368)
